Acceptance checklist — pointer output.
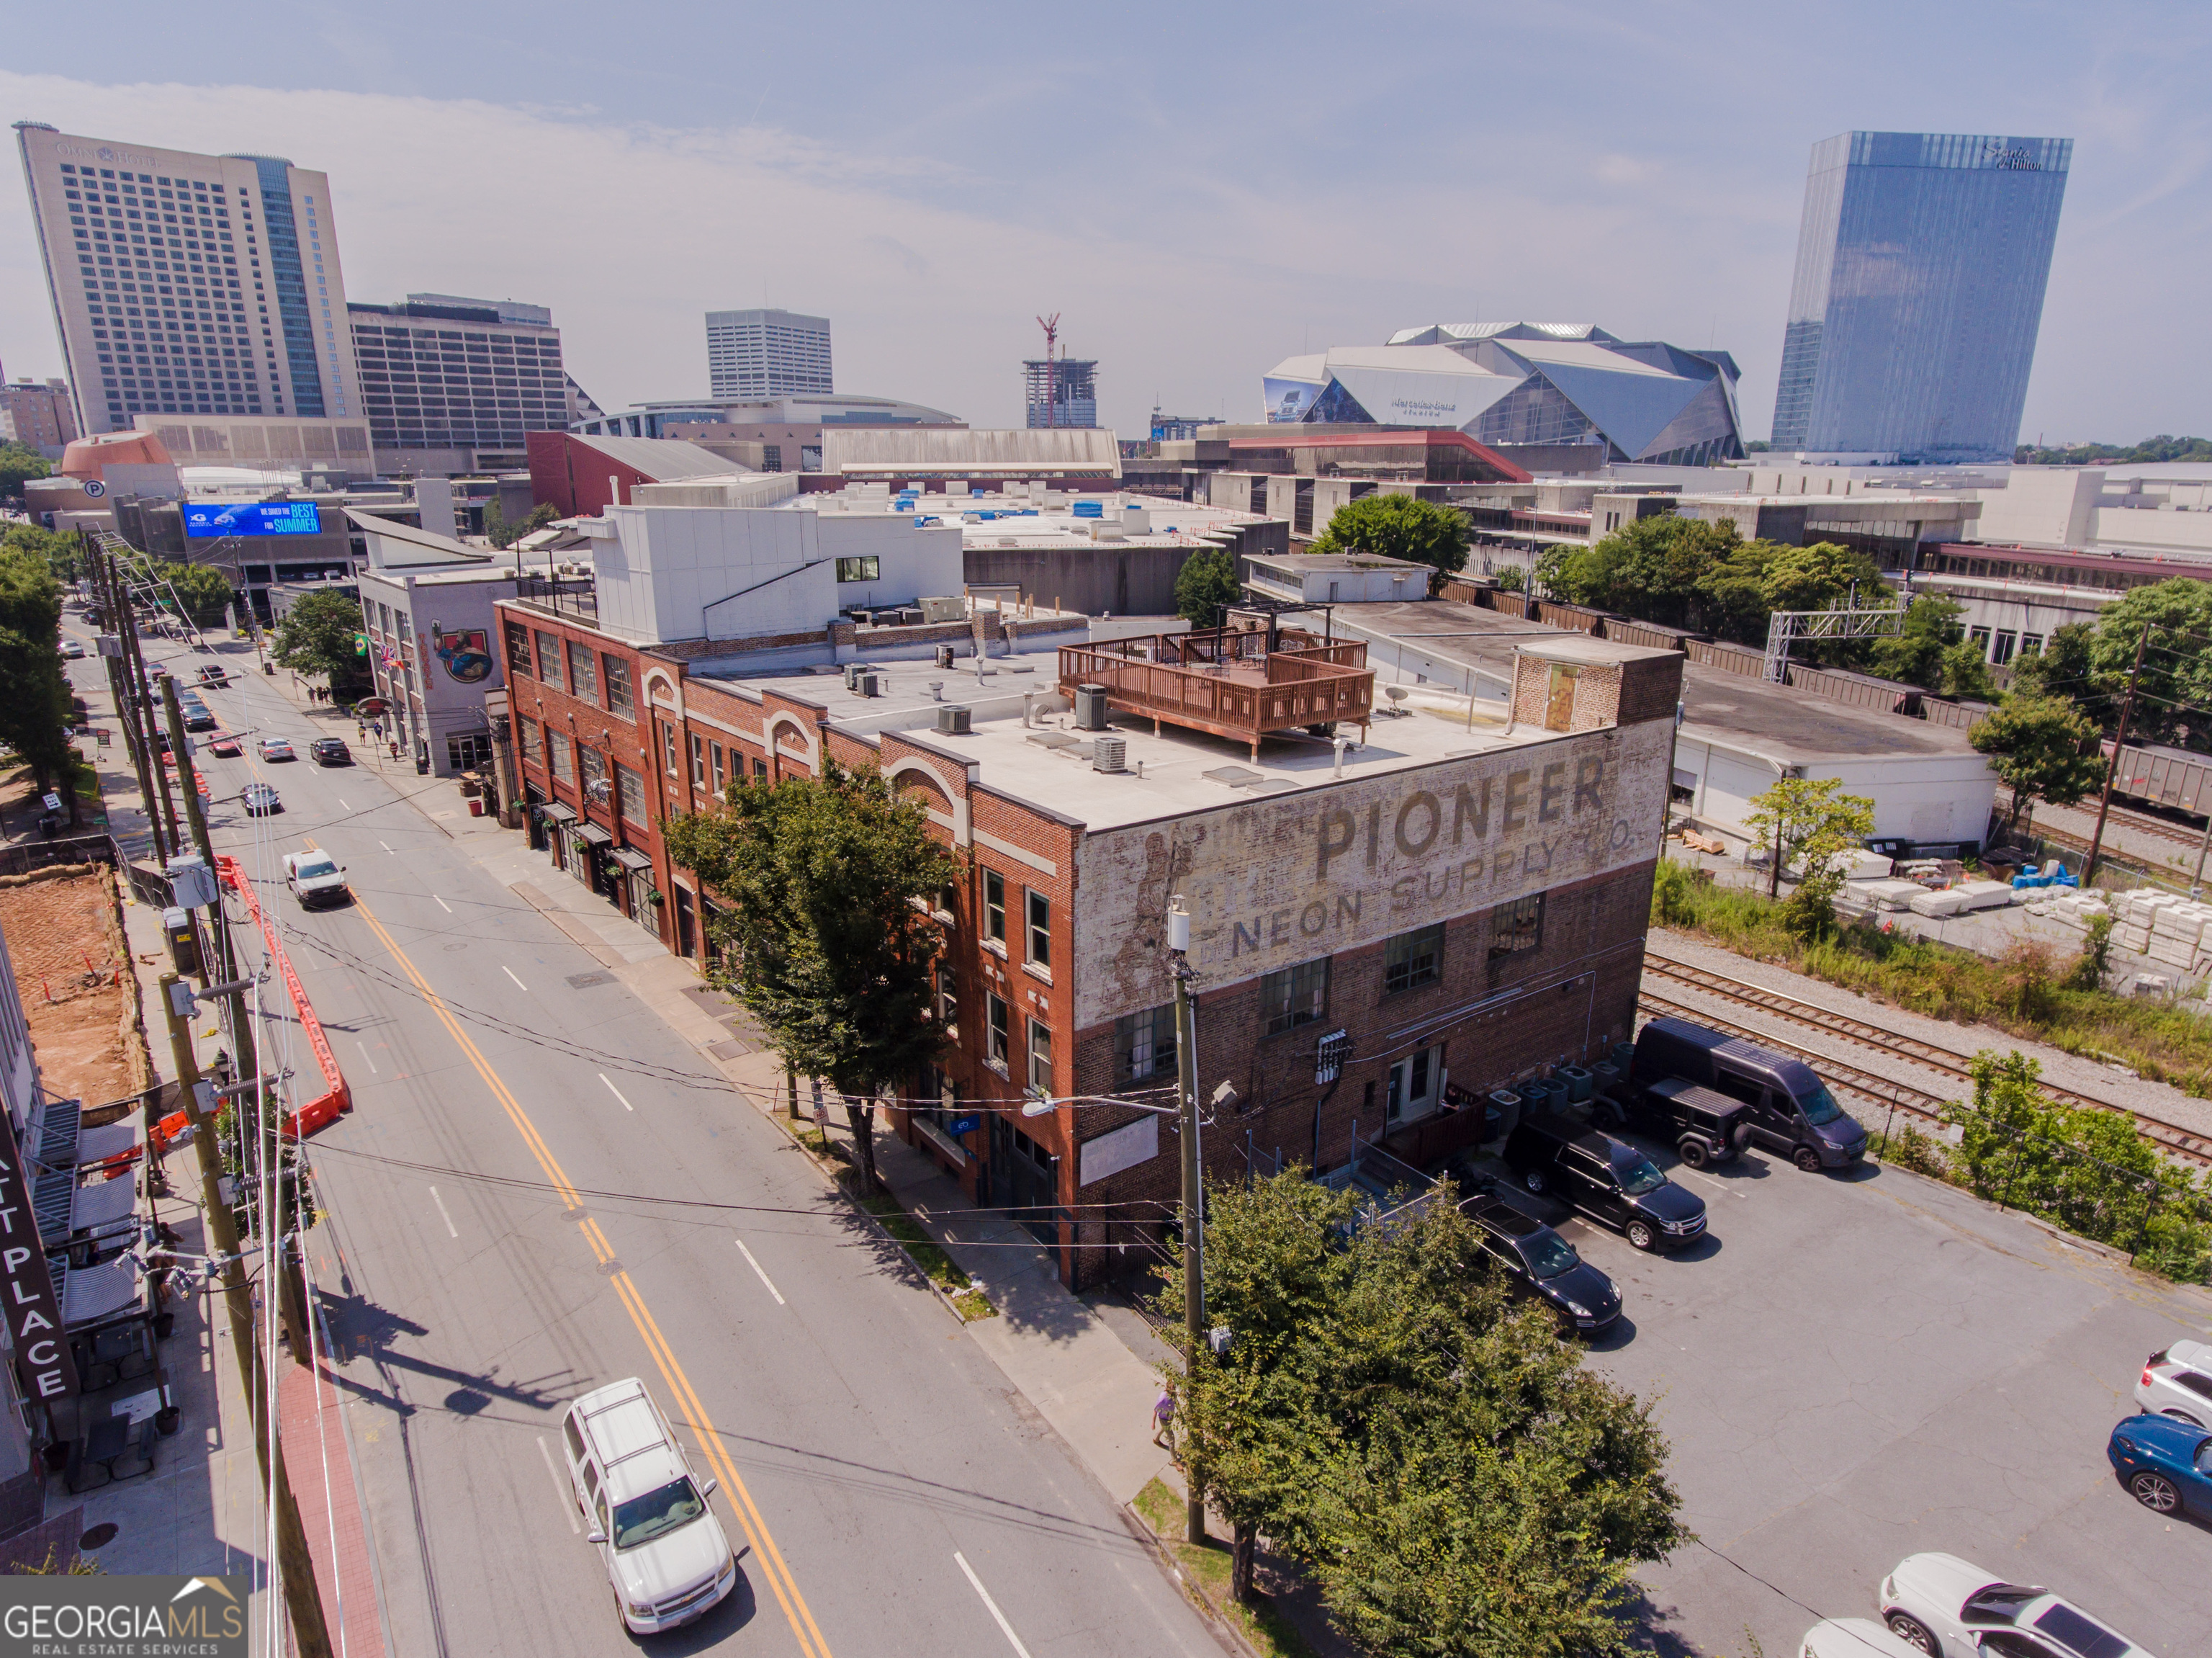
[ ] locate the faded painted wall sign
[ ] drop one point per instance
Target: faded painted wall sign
(1279, 881)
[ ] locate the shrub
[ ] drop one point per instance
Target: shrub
(1920, 1154)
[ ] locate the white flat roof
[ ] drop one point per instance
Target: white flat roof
(1057, 776)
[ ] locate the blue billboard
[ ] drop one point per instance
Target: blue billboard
(204, 518)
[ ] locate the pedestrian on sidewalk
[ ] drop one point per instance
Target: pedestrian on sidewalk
(1163, 1420)
(395, 749)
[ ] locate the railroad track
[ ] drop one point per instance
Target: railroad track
(2158, 828)
(2171, 1137)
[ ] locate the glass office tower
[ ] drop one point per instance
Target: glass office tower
(1921, 264)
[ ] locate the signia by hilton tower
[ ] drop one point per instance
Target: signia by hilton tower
(1921, 264)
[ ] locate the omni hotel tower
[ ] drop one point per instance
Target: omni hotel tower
(189, 284)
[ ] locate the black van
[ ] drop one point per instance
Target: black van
(1791, 1109)
(1597, 1174)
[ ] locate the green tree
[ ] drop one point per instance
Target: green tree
(1916, 656)
(35, 693)
(2062, 668)
(1804, 821)
(63, 553)
(318, 635)
(1400, 527)
(1206, 581)
(19, 463)
(204, 590)
(2041, 748)
(1441, 1467)
(819, 879)
(1511, 580)
(1820, 576)
(496, 529)
(2177, 662)
(1966, 672)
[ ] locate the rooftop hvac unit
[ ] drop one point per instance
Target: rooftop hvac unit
(1109, 753)
(1090, 708)
(944, 655)
(851, 676)
(872, 684)
(953, 720)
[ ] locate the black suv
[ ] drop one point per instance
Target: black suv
(330, 751)
(1542, 1263)
(1705, 1127)
(1604, 1178)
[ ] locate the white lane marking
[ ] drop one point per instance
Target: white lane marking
(518, 984)
(567, 1494)
(617, 1092)
(442, 1215)
(387, 848)
(1715, 1185)
(364, 1047)
(999, 1618)
(342, 802)
(760, 1270)
(442, 905)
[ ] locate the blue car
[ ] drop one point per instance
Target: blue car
(2166, 1464)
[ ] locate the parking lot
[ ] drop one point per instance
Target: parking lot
(1855, 1368)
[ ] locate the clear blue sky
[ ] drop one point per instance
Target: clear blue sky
(1199, 190)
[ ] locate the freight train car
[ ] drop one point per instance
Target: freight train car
(2164, 776)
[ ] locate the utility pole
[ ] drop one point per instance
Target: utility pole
(241, 1029)
(1193, 1213)
(309, 1635)
(134, 743)
(134, 673)
(2112, 771)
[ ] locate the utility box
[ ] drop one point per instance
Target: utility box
(183, 942)
(192, 883)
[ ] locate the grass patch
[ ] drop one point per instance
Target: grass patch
(1206, 1567)
(2031, 992)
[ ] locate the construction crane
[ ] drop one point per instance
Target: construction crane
(1051, 327)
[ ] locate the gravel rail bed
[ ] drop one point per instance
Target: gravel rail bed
(2100, 1081)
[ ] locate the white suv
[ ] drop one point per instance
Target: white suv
(1950, 1608)
(664, 1551)
(2177, 1381)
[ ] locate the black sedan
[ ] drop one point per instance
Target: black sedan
(261, 800)
(1539, 1262)
(330, 750)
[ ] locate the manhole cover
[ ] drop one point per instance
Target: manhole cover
(99, 1537)
(584, 981)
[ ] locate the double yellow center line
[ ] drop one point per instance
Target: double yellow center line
(811, 1643)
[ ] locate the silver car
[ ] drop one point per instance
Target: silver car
(2177, 1381)
(1951, 1608)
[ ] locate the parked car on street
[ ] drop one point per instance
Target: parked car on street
(2164, 1463)
(664, 1550)
(1540, 1263)
(316, 878)
(275, 748)
(261, 800)
(1791, 1109)
(330, 750)
(1951, 1608)
(2177, 1381)
(1604, 1178)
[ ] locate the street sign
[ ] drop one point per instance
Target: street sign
(95, 488)
(52, 802)
(967, 1124)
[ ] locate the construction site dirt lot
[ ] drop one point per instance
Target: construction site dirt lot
(73, 972)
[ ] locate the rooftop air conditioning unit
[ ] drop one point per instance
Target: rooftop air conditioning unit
(953, 720)
(872, 684)
(851, 676)
(944, 655)
(1090, 708)
(1109, 753)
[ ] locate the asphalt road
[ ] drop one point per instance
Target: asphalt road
(541, 1190)
(1852, 1369)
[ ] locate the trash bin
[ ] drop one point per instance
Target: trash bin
(476, 805)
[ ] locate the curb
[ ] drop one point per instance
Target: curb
(1217, 1621)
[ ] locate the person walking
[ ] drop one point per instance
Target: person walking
(1163, 1420)
(395, 749)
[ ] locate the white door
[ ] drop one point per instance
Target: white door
(1416, 1082)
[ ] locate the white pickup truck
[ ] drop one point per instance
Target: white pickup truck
(315, 878)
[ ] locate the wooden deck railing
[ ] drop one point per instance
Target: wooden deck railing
(1226, 681)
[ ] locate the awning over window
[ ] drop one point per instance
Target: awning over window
(557, 812)
(631, 859)
(592, 835)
